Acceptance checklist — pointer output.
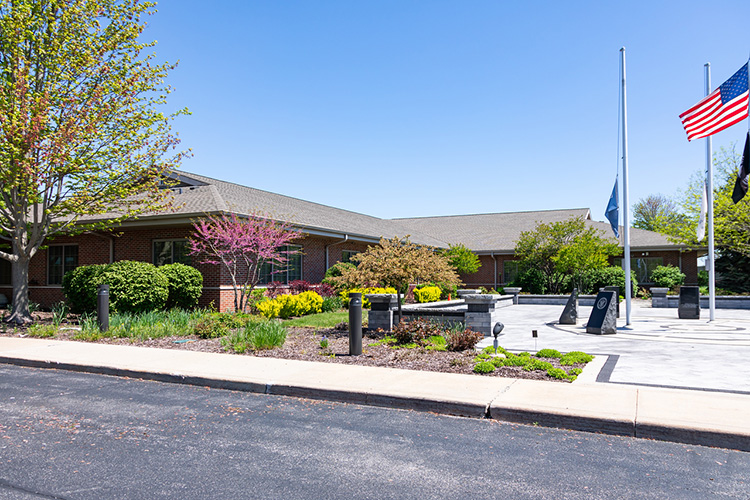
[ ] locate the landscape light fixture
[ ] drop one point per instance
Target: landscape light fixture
(496, 331)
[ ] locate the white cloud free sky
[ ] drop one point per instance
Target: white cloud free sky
(399, 108)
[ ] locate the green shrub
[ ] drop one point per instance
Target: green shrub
(513, 360)
(331, 304)
(428, 293)
(575, 357)
(484, 367)
(702, 278)
(531, 280)
(335, 271)
(591, 281)
(548, 353)
(80, 286)
(185, 285)
(667, 277)
(536, 364)
(436, 343)
(560, 374)
(136, 286)
(41, 331)
(210, 327)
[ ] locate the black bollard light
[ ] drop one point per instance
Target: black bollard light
(102, 307)
(496, 331)
(355, 324)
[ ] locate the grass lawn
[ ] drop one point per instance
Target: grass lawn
(323, 320)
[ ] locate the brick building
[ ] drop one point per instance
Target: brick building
(327, 235)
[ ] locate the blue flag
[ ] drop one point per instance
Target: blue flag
(613, 211)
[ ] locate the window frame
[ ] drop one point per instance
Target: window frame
(635, 267)
(270, 273)
(505, 271)
(188, 261)
(346, 256)
(6, 264)
(63, 263)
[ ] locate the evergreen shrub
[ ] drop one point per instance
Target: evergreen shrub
(136, 286)
(185, 285)
(667, 277)
(80, 286)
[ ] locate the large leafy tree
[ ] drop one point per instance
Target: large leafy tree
(82, 131)
(398, 262)
(242, 246)
(658, 213)
(563, 250)
(731, 221)
(463, 260)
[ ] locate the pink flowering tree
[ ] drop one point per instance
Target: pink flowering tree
(241, 246)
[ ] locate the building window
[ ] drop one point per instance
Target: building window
(643, 267)
(286, 273)
(346, 255)
(171, 252)
(60, 260)
(510, 271)
(5, 272)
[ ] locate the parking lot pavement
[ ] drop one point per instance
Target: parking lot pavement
(657, 349)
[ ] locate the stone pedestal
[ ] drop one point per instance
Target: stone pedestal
(569, 315)
(381, 310)
(659, 297)
(603, 319)
(690, 305)
(514, 291)
(465, 292)
(481, 315)
(615, 289)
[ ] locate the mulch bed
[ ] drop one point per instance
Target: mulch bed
(304, 344)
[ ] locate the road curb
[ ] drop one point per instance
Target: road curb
(492, 409)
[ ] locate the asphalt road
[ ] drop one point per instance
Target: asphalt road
(81, 436)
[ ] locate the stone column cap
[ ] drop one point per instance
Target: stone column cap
(481, 297)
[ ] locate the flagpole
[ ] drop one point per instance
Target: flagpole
(710, 211)
(625, 192)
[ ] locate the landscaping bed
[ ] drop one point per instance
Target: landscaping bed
(326, 345)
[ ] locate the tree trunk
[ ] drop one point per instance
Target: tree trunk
(20, 314)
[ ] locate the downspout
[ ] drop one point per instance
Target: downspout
(492, 254)
(346, 238)
(111, 240)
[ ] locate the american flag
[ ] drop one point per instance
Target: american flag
(722, 108)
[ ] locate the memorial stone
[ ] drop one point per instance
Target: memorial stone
(569, 315)
(603, 319)
(615, 289)
(690, 306)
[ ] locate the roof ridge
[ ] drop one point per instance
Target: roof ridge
(284, 196)
(493, 213)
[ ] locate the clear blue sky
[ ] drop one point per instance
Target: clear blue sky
(399, 108)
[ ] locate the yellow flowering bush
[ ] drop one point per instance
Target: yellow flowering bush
(364, 291)
(286, 306)
(427, 294)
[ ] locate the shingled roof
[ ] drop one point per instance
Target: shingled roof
(498, 232)
(197, 195)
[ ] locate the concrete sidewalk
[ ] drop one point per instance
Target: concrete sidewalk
(686, 416)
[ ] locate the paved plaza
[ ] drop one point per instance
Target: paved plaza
(656, 349)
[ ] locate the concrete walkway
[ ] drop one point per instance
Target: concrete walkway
(606, 398)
